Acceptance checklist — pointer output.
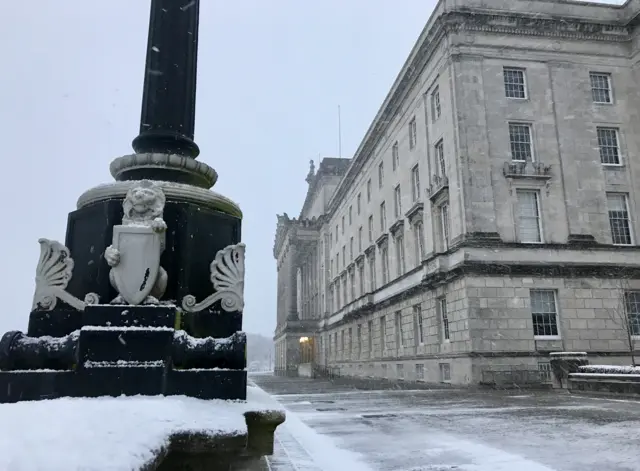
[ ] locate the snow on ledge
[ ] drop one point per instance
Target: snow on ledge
(610, 369)
(108, 433)
(567, 354)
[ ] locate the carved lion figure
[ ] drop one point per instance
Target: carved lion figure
(143, 206)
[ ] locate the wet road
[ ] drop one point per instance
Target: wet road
(464, 430)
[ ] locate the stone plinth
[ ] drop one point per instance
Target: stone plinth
(565, 363)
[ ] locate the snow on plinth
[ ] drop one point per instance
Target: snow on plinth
(611, 369)
(105, 433)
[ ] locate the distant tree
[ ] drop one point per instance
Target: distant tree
(627, 314)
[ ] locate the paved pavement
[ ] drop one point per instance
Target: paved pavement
(437, 430)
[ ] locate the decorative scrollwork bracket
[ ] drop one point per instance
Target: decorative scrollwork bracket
(53, 273)
(227, 276)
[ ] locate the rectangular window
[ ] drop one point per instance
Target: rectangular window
(441, 169)
(609, 146)
(352, 282)
(372, 272)
(337, 233)
(383, 334)
(381, 175)
(619, 219)
(384, 371)
(419, 243)
(370, 337)
(351, 249)
(395, 156)
(384, 253)
(544, 313)
(435, 103)
(360, 239)
(331, 269)
(370, 228)
(632, 304)
(397, 200)
(445, 372)
(350, 215)
(400, 262)
(601, 87)
(338, 300)
(420, 371)
(342, 344)
(399, 371)
(413, 133)
(514, 83)
(342, 225)
(444, 318)
(361, 277)
(359, 339)
(337, 263)
(444, 226)
(383, 217)
(369, 190)
(344, 256)
(359, 203)
(350, 340)
(415, 184)
(520, 142)
(398, 326)
(417, 314)
(529, 227)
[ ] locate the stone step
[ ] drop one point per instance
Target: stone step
(129, 344)
(208, 383)
(117, 380)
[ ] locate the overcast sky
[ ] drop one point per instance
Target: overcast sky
(270, 77)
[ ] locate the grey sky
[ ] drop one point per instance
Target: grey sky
(270, 77)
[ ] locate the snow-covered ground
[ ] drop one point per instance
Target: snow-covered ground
(451, 430)
(124, 433)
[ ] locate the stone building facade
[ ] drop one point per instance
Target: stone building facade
(489, 216)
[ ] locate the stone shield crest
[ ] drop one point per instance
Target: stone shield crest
(140, 248)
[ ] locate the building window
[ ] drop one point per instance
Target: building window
(350, 340)
(351, 249)
(383, 217)
(361, 278)
(445, 372)
(420, 371)
(400, 262)
(381, 175)
(544, 313)
(343, 345)
(415, 184)
(413, 133)
(399, 340)
(385, 264)
(344, 256)
(399, 370)
(372, 272)
(529, 227)
(417, 315)
(383, 334)
(371, 228)
(395, 156)
(337, 233)
(359, 203)
(609, 146)
(435, 103)
(370, 337)
(345, 293)
(369, 190)
(360, 239)
(350, 215)
(601, 87)
(440, 163)
(520, 142)
(444, 318)
(352, 282)
(342, 225)
(632, 303)
(444, 226)
(397, 200)
(384, 371)
(338, 300)
(514, 83)
(337, 263)
(619, 219)
(418, 231)
(331, 269)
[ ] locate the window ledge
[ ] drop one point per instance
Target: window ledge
(547, 337)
